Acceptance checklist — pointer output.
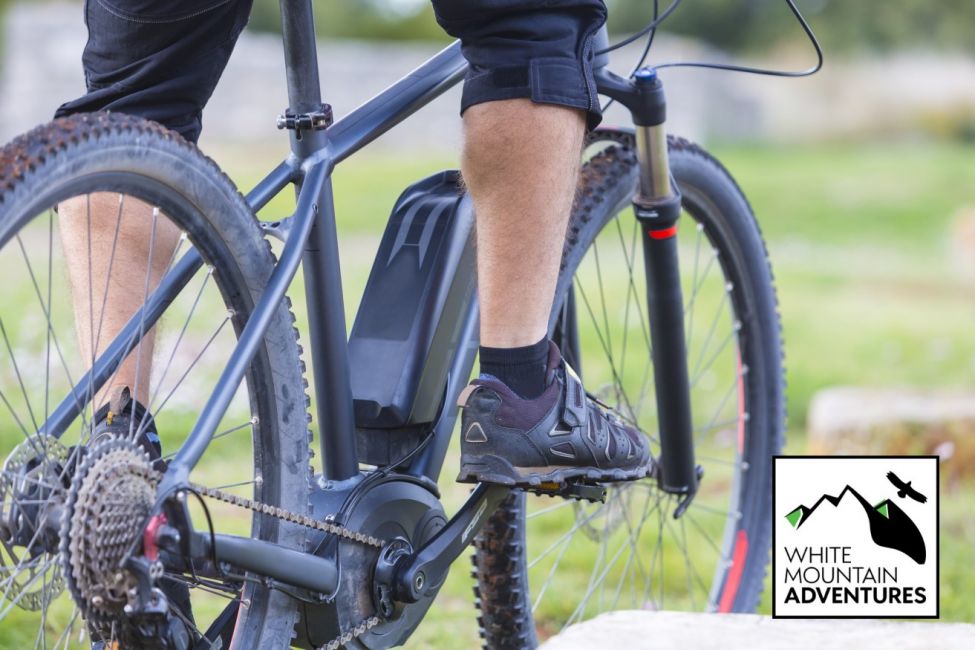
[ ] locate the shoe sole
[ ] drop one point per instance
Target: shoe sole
(498, 471)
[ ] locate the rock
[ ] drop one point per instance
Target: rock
(845, 421)
(638, 630)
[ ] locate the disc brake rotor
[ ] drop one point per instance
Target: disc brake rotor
(112, 493)
(31, 494)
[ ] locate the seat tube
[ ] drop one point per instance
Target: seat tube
(657, 208)
(320, 262)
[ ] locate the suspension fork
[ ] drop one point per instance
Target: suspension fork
(657, 206)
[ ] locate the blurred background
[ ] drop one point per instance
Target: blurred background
(862, 177)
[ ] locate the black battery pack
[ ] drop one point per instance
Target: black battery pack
(409, 322)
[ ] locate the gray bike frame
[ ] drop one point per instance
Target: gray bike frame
(310, 237)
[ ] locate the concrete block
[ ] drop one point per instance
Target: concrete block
(644, 630)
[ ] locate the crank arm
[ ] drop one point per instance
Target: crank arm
(428, 568)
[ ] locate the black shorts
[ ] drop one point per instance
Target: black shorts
(162, 60)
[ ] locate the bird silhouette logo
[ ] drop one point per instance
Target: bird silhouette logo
(905, 489)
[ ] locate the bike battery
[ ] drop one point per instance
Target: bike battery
(408, 324)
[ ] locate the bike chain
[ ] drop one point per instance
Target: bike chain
(302, 520)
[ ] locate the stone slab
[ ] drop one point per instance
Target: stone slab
(638, 630)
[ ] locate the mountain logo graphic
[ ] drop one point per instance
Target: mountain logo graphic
(890, 526)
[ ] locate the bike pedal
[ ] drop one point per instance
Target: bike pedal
(578, 491)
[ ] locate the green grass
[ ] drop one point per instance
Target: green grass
(869, 295)
(859, 238)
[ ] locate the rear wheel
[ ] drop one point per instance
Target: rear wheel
(541, 564)
(153, 180)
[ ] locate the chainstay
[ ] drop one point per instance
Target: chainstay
(303, 520)
(292, 517)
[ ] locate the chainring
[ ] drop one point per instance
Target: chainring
(113, 491)
(35, 465)
(393, 507)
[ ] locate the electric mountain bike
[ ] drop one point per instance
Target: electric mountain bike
(665, 305)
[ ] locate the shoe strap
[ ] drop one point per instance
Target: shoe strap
(575, 412)
(121, 404)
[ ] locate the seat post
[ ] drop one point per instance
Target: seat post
(300, 56)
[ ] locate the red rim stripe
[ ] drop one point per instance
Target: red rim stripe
(734, 574)
(663, 234)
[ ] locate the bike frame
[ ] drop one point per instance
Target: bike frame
(310, 238)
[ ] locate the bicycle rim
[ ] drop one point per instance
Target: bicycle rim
(42, 598)
(580, 559)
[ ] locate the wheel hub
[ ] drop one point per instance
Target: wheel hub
(32, 493)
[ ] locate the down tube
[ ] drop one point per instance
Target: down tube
(306, 214)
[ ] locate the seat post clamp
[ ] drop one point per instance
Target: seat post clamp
(312, 121)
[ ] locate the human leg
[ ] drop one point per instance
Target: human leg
(527, 100)
(520, 165)
(162, 63)
(116, 249)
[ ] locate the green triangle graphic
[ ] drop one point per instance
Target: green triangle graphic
(882, 509)
(794, 517)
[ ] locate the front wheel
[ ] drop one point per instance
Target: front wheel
(542, 564)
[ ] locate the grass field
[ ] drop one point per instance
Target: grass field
(870, 294)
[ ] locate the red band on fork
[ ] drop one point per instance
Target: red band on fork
(664, 233)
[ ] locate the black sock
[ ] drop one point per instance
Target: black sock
(521, 369)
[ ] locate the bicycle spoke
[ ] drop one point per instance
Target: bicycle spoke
(108, 278)
(557, 506)
(189, 368)
(142, 320)
(551, 574)
(687, 564)
(49, 329)
(704, 533)
(633, 539)
(24, 588)
(709, 336)
(609, 354)
(699, 281)
(169, 362)
(137, 333)
(715, 425)
(689, 306)
(596, 583)
(687, 558)
(16, 367)
(602, 299)
(45, 307)
(629, 258)
(91, 310)
(227, 486)
(13, 414)
(65, 636)
(567, 535)
(732, 390)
